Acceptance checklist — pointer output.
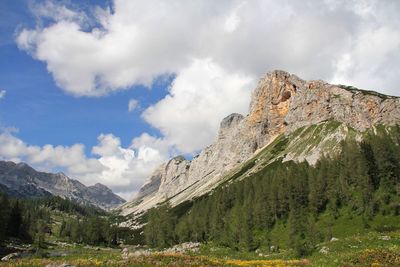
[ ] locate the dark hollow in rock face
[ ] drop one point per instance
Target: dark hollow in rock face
(285, 96)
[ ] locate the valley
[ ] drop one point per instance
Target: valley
(310, 177)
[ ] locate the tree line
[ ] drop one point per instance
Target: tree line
(33, 220)
(364, 179)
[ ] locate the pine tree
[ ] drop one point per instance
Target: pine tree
(4, 216)
(40, 234)
(15, 220)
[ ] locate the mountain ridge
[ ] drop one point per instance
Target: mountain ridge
(281, 104)
(21, 180)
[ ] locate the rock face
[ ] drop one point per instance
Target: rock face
(104, 196)
(21, 180)
(281, 104)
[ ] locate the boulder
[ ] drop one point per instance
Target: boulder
(324, 250)
(11, 256)
(126, 254)
(59, 265)
(184, 248)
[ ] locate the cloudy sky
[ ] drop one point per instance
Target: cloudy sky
(107, 90)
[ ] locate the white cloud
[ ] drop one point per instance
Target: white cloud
(216, 49)
(132, 105)
(2, 94)
(127, 168)
(139, 40)
(108, 145)
(363, 64)
(71, 158)
(57, 12)
(199, 98)
(122, 169)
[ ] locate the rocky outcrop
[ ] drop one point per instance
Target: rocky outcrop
(21, 180)
(104, 196)
(183, 248)
(153, 183)
(281, 104)
(11, 256)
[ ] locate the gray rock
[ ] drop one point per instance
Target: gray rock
(184, 248)
(126, 254)
(324, 250)
(231, 121)
(21, 180)
(59, 265)
(281, 104)
(11, 256)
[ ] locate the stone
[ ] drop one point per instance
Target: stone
(22, 181)
(324, 250)
(184, 248)
(385, 238)
(11, 256)
(126, 254)
(333, 239)
(281, 104)
(59, 265)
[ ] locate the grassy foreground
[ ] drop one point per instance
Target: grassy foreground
(371, 249)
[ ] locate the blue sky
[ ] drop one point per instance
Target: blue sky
(45, 114)
(69, 68)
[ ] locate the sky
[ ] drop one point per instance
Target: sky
(107, 90)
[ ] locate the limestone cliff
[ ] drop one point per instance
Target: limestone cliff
(281, 104)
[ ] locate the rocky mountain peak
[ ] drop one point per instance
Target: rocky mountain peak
(274, 88)
(21, 180)
(22, 165)
(62, 176)
(101, 186)
(231, 120)
(281, 104)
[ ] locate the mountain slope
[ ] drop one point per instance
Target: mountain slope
(21, 180)
(281, 106)
(290, 205)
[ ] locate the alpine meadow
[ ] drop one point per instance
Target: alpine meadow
(199, 133)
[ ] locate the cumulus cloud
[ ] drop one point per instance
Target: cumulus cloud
(363, 64)
(135, 41)
(132, 105)
(54, 11)
(216, 50)
(71, 158)
(122, 169)
(199, 98)
(126, 168)
(2, 94)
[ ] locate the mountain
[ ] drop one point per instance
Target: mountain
(21, 180)
(289, 119)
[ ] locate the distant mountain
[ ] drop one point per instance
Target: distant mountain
(21, 180)
(289, 119)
